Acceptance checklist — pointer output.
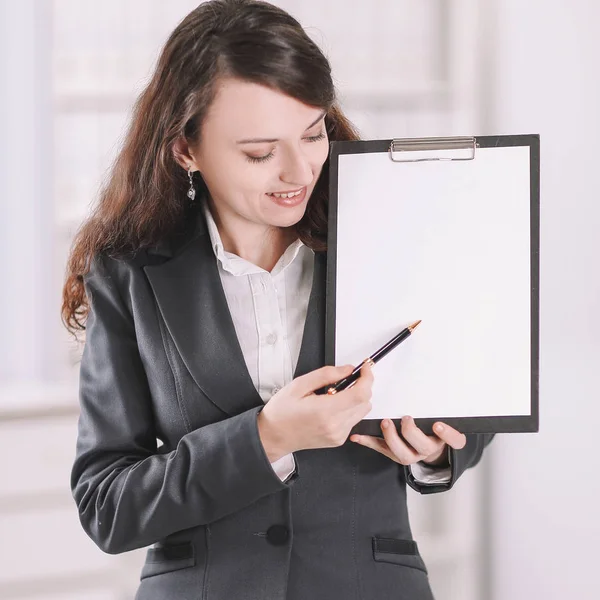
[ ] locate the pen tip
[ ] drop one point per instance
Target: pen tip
(415, 324)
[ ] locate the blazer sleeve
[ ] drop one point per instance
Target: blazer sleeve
(129, 494)
(460, 461)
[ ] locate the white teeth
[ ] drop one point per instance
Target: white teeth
(291, 195)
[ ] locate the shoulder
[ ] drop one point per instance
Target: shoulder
(119, 266)
(109, 269)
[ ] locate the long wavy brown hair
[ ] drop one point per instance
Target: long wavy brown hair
(143, 199)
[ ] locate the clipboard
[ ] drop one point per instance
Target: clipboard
(445, 230)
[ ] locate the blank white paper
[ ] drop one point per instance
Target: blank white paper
(449, 243)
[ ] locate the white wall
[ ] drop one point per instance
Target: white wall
(546, 489)
(25, 192)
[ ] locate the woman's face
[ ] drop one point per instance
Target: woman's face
(242, 175)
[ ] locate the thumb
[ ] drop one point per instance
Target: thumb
(307, 384)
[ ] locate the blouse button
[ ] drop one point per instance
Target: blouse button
(271, 338)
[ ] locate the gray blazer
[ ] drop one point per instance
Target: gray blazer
(161, 360)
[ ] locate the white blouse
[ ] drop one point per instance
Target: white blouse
(268, 312)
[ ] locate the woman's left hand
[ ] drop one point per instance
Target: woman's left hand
(430, 449)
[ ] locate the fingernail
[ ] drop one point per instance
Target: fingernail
(355, 438)
(439, 427)
(385, 423)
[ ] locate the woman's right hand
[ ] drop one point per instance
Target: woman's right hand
(296, 418)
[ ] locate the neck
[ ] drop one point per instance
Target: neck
(259, 244)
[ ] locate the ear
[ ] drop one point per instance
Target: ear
(183, 154)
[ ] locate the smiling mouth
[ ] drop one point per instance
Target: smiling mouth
(291, 200)
(288, 194)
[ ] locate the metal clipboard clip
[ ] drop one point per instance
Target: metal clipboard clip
(441, 148)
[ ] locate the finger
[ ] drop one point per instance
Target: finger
(423, 444)
(307, 384)
(450, 436)
(401, 450)
(362, 386)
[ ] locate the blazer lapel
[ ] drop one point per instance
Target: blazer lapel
(192, 303)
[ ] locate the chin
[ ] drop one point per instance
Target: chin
(288, 217)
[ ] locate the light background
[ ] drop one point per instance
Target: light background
(523, 524)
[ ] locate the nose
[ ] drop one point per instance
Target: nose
(296, 169)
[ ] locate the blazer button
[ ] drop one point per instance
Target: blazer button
(278, 534)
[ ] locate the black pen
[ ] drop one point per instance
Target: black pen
(342, 384)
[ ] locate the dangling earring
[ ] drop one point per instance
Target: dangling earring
(192, 191)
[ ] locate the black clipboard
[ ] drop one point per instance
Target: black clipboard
(360, 261)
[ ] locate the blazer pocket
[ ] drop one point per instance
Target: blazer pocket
(398, 552)
(167, 558)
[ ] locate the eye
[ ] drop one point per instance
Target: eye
(316, 138)
(260, 159)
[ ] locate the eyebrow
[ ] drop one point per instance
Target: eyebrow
(270, 140)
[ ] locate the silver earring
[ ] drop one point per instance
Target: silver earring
(192, 191)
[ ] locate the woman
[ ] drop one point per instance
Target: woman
(200, 282)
